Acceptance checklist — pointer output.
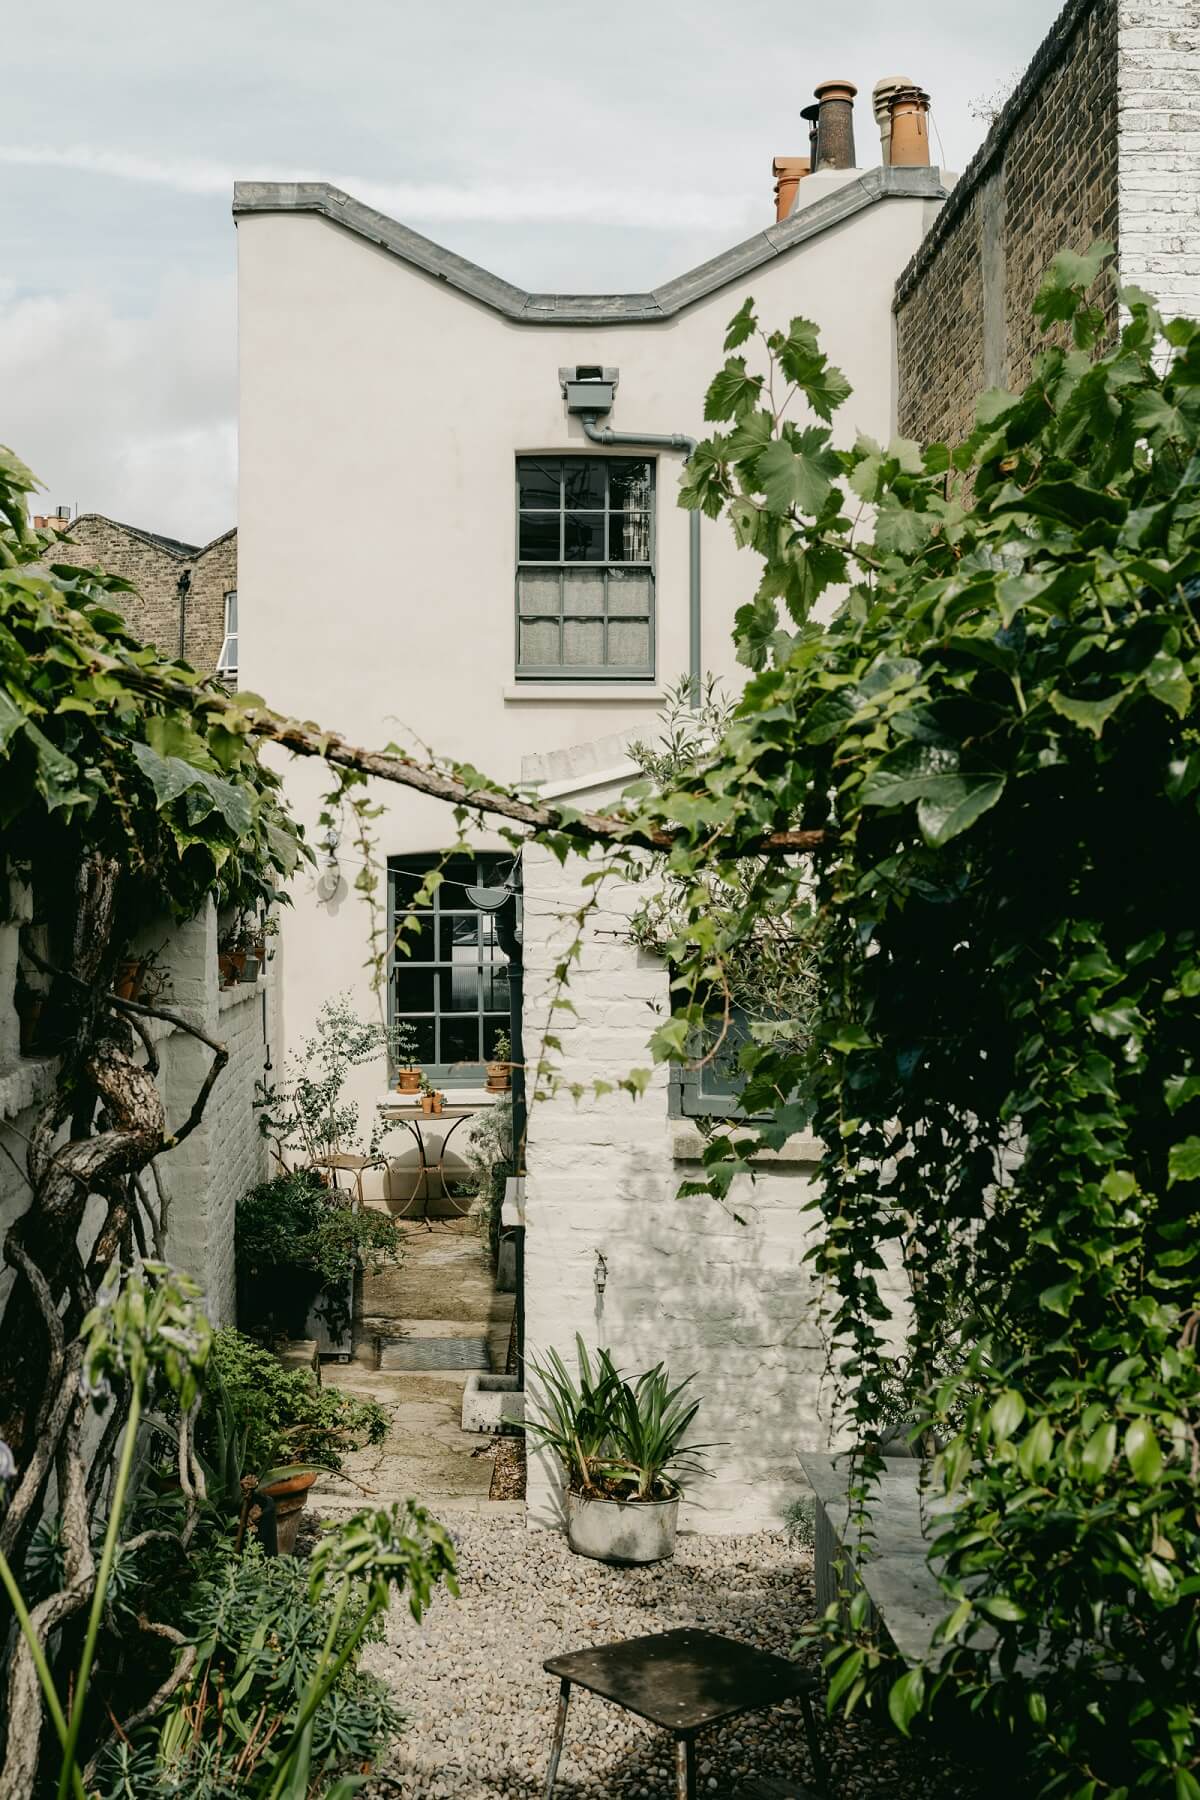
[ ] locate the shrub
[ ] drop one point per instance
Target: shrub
(286, 1415)
(259, 1634)
(297, 1239)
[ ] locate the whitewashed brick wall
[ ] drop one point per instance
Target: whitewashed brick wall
(223, 1156)
(1158, 80)
(685, 1281)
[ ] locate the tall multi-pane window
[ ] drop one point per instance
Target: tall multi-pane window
(585, 566)
(227, 662)
(452, 987)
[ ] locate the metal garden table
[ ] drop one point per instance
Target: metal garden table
(400, 1111)
(682, 1681)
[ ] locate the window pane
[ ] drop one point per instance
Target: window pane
(414, 989)
(539, 642)
(539, 537)
(494, 982)
(460, 1041)
(459, 988)
(458, 937)
(629, 643)
(584, 481)
(492, 1028)
(537, 592)
(537, 480)
(406, 885)
(418, 942)
(628, 594)
(628, 484)
(583, 537)
(629, 537)
(426, 1051)
(231, 623)
(583, 641)
(583, 591)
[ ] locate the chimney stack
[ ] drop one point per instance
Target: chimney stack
(909, 140)
(789, 172)
(835, 125)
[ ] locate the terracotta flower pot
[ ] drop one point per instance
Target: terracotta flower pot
(130, 975)
(291, 1497)
(408, 1081)
(231, 964)
(499, 1077)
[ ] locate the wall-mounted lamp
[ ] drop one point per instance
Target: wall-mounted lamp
(600, 1274)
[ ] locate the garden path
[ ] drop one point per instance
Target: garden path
(443, 1288)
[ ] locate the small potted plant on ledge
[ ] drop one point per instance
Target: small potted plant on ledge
(404, 1057)
(499, 1069)
(431, 1100)
(623, 1450)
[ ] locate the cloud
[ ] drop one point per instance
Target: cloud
(133, 417)
(504, 203)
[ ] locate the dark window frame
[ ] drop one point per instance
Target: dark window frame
(449, 903)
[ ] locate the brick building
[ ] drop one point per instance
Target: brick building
(1100, 139)
(186, 598)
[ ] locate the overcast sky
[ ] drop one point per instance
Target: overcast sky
(562, 145)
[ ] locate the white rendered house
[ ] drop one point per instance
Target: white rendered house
(431, 548)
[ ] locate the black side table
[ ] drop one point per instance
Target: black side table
(683, 1681)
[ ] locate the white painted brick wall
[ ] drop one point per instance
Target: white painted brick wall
(685, 1282)
(1158, 113)
(222, 1157)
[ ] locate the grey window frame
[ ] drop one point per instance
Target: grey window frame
(706, 1092)
(447, 1074)
(562, 671)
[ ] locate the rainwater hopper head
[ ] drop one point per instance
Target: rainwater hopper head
(835, 125)
(588, 388)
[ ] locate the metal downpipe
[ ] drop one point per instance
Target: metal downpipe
(678, 441)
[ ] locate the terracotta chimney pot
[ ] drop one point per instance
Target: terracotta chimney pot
(789, 172)
(881, 95)
(910, 129)
(835, 125)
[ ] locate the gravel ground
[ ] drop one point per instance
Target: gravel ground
(481, 1708)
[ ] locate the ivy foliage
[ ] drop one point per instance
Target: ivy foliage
(998, 730)
(91, 761)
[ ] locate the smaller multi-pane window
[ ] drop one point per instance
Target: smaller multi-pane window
(227, 662)
(585, 566)
(452, 986)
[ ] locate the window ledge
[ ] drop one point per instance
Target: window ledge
(687, 1145)
(569, 692)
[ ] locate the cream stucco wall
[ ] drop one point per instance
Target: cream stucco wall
(381, 411)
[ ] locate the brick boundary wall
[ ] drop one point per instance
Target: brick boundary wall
(1045, 179)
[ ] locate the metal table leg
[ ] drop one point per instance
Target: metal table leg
(685, 1768)
(815, 1752)
(560, 1732)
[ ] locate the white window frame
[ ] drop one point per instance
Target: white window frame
(227, 662)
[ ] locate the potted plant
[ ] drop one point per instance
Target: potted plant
(288, 1428)
(300, 1243)
(232, 947)
(499, 1069)
(404, 1057)
(623, 1450)
(431, 1100)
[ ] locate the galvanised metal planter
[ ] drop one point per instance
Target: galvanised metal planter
(622, 1531)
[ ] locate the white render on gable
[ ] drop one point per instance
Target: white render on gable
(382, 409)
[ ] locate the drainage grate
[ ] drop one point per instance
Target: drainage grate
(434, 1353)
